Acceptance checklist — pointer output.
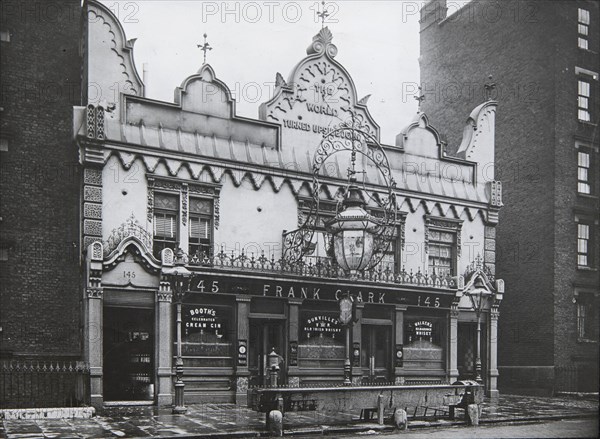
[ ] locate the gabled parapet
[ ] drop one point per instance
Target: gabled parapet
(205, 94)
(478, 142)
(420, 138)
(109, 68)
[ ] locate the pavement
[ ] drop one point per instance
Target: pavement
(229, 420)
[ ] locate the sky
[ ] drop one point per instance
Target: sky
(377, 41)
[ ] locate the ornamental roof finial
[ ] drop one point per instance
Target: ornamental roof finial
(420, 98)
(204, 48)
(489, 87)
(323, 14)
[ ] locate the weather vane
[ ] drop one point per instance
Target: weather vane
(323, 15)
(205, 48)
(489, 87)
(420, 98)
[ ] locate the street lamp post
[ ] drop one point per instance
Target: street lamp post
(346, 320)
(479, 297)
(179, 278)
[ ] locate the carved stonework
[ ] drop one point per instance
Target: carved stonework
(444, 225)
(92, 227)
(496, 193)
(92, 176)
(93, 194)
(131, 227)
(167, 256)
(96, 251)
(150, 200)
(216, 213)
(322, 43)
(184, 203)
(495, 312)
(294, 382)
(91, 122)
(167, 184)
(164, 296)
(241, 384)
(94, 293)
(92, 210)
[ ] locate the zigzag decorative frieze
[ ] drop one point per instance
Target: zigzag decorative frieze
(214, 174)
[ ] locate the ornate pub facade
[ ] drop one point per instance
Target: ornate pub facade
(237, 196)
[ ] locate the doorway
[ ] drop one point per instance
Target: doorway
(375, 353)
(467, 350)
(265, 335)
(128, 343)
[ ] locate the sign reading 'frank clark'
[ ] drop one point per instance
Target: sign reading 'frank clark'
(316, 291)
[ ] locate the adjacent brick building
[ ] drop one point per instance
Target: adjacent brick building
(39, 186)
(544, 60)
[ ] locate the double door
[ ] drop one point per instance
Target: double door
(376, 344)
(266, 336)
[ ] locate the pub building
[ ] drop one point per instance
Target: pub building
(234, 193)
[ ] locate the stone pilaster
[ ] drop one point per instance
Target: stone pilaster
(293, 330)
(493, 352)
(399, 337)
(453, 354)
(93, 326)
(164, 344)
(92, 205)
(243, 335)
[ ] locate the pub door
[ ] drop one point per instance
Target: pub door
(375, 353)
(467, 350)
(264, 336)
(128, 343)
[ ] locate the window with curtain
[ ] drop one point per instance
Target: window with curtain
(166, 225)
(200, 227)
(442, 252)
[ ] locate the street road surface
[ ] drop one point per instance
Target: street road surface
(576, 428)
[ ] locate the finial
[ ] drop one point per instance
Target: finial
(489, 87)
(205, 47)
(323, 15)
(420, 98)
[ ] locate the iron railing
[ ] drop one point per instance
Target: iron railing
(37, 384)
(319, 267)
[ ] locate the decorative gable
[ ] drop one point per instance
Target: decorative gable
(318, 96)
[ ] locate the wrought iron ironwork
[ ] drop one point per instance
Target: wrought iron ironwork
(317, 267)
(354, 136)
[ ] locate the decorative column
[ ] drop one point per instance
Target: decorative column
(93, 325)
(243, 335)
(399, 351)
(493, 352)
(164, 345)
(453, 366)
(357, 337)
(294, 324)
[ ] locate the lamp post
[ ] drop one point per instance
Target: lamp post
(479, 297)
(179, 278)
(346, 320)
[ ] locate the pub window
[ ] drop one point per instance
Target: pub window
(206, 337)
(442, 252)
(583, 172)
(321, 343)
(423, 341)
(584, 245)
(587, 317)
(200, 228)
(583, 100)
(583, 23)
(166, 214)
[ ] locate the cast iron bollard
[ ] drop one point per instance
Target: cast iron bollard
(276, 423)
(473, 414)
(400, 419)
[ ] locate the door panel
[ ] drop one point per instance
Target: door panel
(375, 353)
(265, 335)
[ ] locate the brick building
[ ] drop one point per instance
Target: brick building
(544, 60)
(39, 206)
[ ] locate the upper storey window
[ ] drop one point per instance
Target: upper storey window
(166, 214)
(583, 24)
(583, 100)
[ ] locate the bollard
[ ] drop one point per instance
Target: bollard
(380, 409)
(275, 423)
(400, 419)
(472, 414)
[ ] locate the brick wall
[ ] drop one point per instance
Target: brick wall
(525, 46)
(39, 179)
